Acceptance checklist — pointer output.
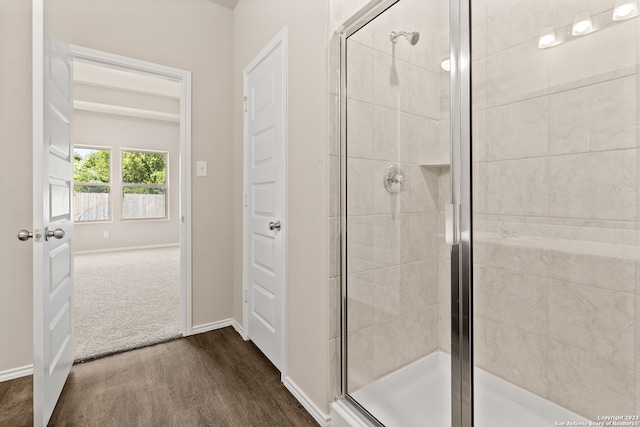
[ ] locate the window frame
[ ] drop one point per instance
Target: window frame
(96, 184)
(164, 186)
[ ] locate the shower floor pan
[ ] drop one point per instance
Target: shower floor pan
(419, 395)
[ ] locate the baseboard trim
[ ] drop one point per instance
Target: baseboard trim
(207, 327)
(321, 418)
(15, 373)
(239, 329)
(127, 248)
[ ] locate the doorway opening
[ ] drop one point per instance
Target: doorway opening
(131, 136)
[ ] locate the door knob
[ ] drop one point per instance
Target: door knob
(274, 225)
(25, 235)
(58, 233)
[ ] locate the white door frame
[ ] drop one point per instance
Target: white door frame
(185, 162)
(281, 39)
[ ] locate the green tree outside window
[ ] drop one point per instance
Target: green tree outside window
(91, 166)
(144, 168)
(92, 177)
(144, 184)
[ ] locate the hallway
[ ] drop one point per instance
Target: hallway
(210, 379)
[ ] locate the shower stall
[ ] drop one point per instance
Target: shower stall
(488, 213)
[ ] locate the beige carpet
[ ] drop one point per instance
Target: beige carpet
(125, 300)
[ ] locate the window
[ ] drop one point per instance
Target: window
(144, 184)
(92, 189)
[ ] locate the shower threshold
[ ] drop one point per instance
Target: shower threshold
(419, 395)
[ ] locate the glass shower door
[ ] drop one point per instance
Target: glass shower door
(530, 316)
(395, 150)
(555, 212)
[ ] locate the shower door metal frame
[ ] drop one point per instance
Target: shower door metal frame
(461, 252)
(462, 397)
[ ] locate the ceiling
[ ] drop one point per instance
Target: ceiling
(228, 3)
(97, 75)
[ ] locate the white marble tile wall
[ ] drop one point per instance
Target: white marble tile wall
(587, 383)
(602, 56)
(522, 362)
(510, 23)
(553, 289)
(556, 205)
(599, 117)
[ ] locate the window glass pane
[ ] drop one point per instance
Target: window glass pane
(91, 165)
(91, 203)
(144, 168)
(144, 203)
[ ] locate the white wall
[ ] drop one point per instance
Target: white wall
(15, 184)
(192, 35)
(256, 22)
(189, 34)
(119, 132)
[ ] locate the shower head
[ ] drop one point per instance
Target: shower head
(411, 37)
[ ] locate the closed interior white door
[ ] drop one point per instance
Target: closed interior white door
(52, 219)
(265, 174)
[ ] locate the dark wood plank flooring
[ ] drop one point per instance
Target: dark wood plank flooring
(210, 379)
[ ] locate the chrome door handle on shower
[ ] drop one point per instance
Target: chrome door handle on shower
(274, 225)
(452, 224)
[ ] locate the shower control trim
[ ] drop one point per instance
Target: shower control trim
(394, 179)
(452, 222)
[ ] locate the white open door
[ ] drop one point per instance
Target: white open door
(52, 219)
(265, 198)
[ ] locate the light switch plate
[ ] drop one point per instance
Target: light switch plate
(201, 168)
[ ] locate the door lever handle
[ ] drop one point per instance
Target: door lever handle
(274, 225)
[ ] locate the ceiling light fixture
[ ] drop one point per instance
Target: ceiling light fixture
(582, 24)
(625, 9)
(547, 38)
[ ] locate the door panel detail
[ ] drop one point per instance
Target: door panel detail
(52, 258)
(265, 163)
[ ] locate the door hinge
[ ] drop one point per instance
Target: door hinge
(245, 104)
(246, 296)
(246, 200)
